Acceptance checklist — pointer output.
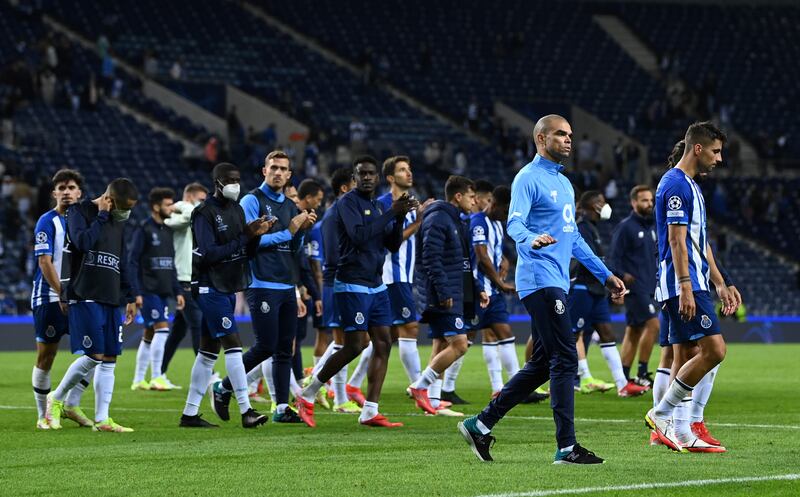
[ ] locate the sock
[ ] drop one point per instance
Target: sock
(103, 390)
(142, 361)
(660, 385)
(642, 369)
(74, 395)
(266, 370)
(508, 356)
(361, 370)
(41, 387)
(626, 370)
(294, 387)
(680, 418)
(309, 393)
(369, 411)
(611, 355)
(157, 351)
(281, 408)
(583, 369)
(482, 427)
(493, 366)
(201, 376)
(79, 368)
(702, 391)
(566, 449)
(332, 347)
(339, 387)
(674, 395)
(426, 379)
(435, 393)
(238, 377)
(409, 356)
(451, 375)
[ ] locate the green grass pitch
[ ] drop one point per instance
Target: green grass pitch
(754, 410)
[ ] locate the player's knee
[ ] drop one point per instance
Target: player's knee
(715, 353)
(45, 360)
(353, 349)
(459, 346)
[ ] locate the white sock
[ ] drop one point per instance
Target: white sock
(310, 392)
(40, 380)
(680, 417)
(294, 387)
(493, 365)
(435, 393)
(583, 369)
(701, 393)
(451, 375)
(660, 385)
(482, 427)
(675, 394)
(281, 408)
(566, 449)
(508, 356)
(142, 361)
(157, 351)
(103, 390)
(238, 377)
(339, 387)
(369, 411)
(611, 355)
(74, 395)
(409, 356)
(361, 370)
(332, 347)
(266, 370)
(426, 379)
(78, 370)
(201, 376)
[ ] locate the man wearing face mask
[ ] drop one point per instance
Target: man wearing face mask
(95, 282)
(190, 316)
(588, 305)
(223, 243)
(153, 281)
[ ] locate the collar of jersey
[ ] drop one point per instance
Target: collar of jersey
(547, 164)
(277, 197)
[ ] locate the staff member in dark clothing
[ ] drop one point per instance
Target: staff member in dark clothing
(364, 233)
(153, 281)
(223, 243)
(94, 281)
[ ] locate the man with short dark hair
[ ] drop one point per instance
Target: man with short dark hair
(483, 195)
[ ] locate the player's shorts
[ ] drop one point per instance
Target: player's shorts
(330, 312)
(496, 312)
(218, 309)
(640, 308)
(154, 309)
(705, 322)
(401, 298)
(587, 309)
(96, 328)
(446, 325)
(360, 311)
(663, 331)
(49, 323)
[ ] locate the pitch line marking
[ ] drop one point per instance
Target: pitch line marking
(647, 486)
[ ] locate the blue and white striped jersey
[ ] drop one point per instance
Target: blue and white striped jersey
(49, 238)
(484, 231)
(398, 267)
(679, 200)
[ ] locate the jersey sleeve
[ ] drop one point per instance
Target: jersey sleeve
(478, 230)
(44, 237)
(315, 244)
(678, 200)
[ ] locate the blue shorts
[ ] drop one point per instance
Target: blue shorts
(361, 311)
(640, 308)
(218, 308)
(96, 329)
(154, 309)
(330, 312)
(50, 323)
(663, 331)
(705, 322)
(401, 298)
(496, 312)
(587, 309)
(446, 325)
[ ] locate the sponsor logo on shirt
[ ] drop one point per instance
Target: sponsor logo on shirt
(674, 203)
(569, 217)
(479, 234)
(102, 260)
(221, 226)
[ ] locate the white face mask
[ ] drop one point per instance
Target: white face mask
(231, 192)
(605, 212)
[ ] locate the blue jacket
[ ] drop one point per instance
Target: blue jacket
(634, 250)
(443, 261)
(543, 201)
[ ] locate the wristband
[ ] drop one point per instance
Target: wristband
(684, 279)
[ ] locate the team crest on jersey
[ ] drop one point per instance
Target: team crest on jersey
(560, 308)
(226, 323)
(459, 323)
(479, 233)
(221, 226)
(554, 195)
(50, 332)
(674, 203)
(705, 322)
(406, 312)
(87, 342)
(41, 237)
(154, 314)
(359, 318)
(264, 307)
(581, 322)
(155, 241)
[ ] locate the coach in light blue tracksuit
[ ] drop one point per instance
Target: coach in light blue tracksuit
(542, 223)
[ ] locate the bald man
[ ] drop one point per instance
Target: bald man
(541, 221)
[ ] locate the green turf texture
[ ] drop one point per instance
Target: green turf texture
(757, 384)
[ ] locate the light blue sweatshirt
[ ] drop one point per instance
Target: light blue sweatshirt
(543, 202)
